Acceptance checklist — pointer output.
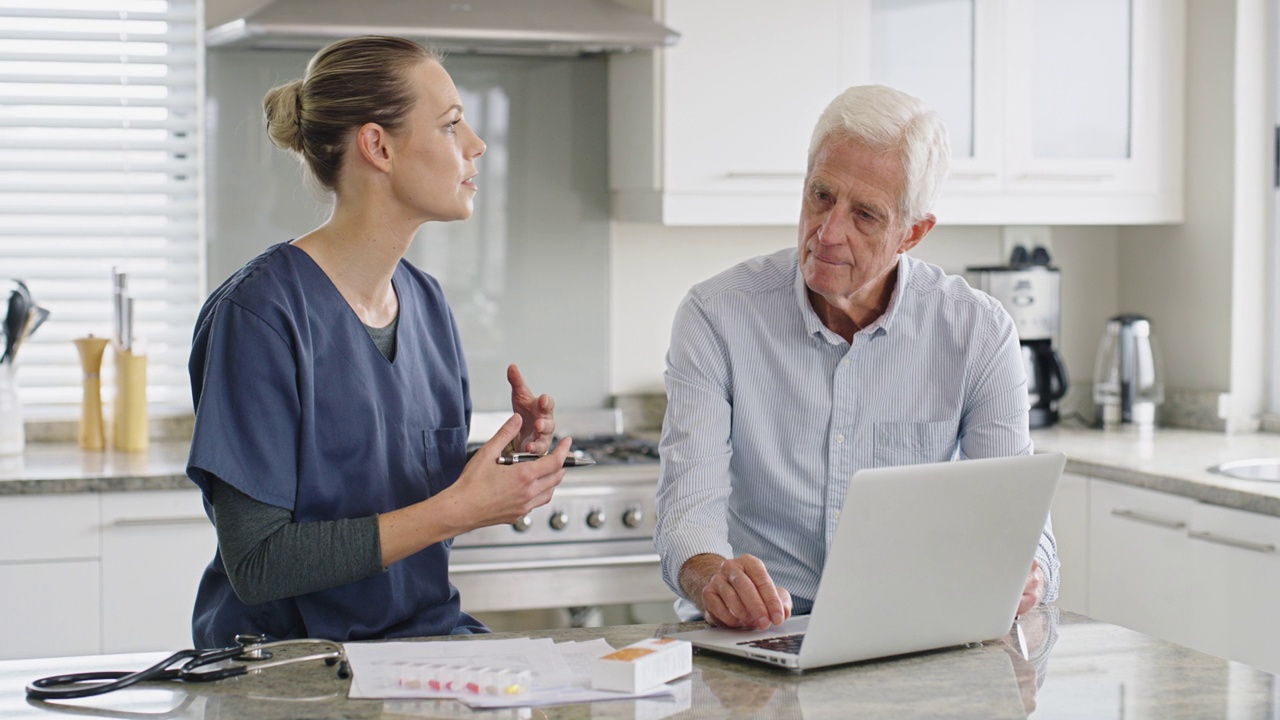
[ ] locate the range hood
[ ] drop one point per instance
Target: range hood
(501, 27)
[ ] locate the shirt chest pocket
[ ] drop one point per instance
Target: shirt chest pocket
(446, 454)
(912, 443)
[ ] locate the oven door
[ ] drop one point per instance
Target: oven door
(562, 575)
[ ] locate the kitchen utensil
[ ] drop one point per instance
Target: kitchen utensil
(1127, 378)
(40, 316)
(129, 428)
(15, 321)
(92, 435)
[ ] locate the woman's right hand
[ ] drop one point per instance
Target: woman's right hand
(486, 493)
(493, 494)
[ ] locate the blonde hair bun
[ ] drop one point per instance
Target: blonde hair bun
(283, 106)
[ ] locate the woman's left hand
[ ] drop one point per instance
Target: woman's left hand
(537, 413)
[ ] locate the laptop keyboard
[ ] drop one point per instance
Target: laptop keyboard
(785, 643)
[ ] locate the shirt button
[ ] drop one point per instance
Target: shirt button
(845, 362)
(836, 514)
(839, 438)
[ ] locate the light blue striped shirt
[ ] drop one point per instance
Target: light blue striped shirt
(769, 413)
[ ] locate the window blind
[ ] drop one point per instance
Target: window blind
(99, 169)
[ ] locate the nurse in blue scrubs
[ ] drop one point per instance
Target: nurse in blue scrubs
(331, 393)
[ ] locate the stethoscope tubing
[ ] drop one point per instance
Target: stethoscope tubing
(89, 684)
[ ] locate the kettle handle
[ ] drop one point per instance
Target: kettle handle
(1058, 383)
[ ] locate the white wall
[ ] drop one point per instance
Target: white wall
(652, 268)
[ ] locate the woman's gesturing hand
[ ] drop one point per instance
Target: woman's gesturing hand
(537, 413)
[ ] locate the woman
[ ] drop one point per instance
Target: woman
(330, 389)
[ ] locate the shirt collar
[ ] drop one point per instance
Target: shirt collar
(813, 324)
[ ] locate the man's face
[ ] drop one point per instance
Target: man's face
(851, 231)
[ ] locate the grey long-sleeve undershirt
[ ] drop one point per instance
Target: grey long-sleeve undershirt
(268, 557)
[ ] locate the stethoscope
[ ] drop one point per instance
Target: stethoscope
(254, 650)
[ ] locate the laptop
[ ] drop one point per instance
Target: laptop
(925, 557)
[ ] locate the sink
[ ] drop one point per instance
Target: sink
(1254, 469)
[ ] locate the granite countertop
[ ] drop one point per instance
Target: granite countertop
(1173, 461)
(1072, 667)
(65, 468)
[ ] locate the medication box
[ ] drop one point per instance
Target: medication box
(642, 666)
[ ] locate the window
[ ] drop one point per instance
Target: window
(99, 169)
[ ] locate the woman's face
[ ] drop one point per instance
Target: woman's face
(434, 166)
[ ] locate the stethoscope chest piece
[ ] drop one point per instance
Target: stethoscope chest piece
(253, 649)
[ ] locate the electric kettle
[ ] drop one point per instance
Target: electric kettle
(1127, 382)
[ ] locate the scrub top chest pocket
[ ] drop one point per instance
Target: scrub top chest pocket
(911, 443)
(446, 454)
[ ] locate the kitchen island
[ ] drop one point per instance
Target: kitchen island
(1064, 665)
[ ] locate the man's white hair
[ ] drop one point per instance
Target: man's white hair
(888, 119)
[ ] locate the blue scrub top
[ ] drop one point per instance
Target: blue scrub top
(296, 407)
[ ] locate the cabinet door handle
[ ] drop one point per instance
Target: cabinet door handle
(763, 175)
(971, 175)
(1078, 177)
(149, 522)
(1232, 542)
(1150, 519)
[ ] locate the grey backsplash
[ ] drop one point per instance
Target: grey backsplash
(527, 275)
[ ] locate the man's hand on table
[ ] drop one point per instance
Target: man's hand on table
(1033, 593)
(735, 593)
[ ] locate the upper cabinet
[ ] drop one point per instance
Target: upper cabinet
(1058, 112)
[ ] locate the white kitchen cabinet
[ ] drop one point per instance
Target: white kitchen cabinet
(49, 550)
(86, 573)
(1235, 558)
(155, 546)
(1139, 575)
(715, 130)
(1070, 514)
(1047, 128)
(1093, 129)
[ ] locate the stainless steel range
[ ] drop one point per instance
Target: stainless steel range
(592, 545)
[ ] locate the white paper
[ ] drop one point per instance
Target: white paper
(557, 696)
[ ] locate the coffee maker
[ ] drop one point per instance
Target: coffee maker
(1029, 288)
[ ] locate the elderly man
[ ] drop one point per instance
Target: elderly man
(790, 372)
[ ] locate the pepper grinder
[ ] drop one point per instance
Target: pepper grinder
(92, 435)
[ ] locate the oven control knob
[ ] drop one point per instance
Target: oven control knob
(559, 519)
(633, 516)
(522, 524)
(595, 518)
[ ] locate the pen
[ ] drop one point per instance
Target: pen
(569, 461)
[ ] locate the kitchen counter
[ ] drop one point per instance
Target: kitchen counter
(65, 468)
(1172, 461)
(1072, 667)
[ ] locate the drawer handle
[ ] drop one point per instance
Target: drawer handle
(971, 175)
(149, 522)
(1150, 519)
(1232, 542)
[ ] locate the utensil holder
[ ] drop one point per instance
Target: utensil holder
(92, 433)
(129, 426)
(12, 437)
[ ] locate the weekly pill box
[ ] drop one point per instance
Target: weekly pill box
(642, 666)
